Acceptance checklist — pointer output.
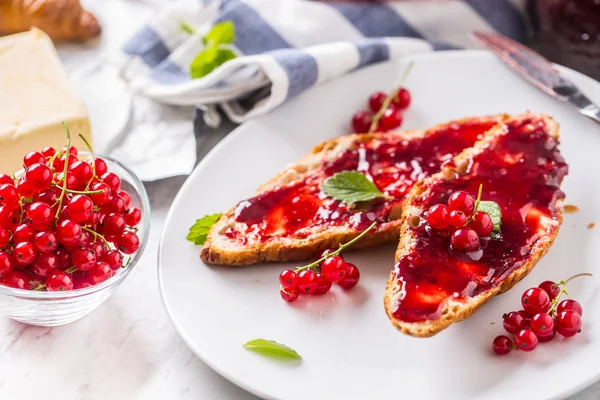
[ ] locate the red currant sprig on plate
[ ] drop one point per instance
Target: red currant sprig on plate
(385, 109)
(65, 224)
(543, 316)
(317, 278)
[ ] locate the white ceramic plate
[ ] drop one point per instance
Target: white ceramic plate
(350, 349)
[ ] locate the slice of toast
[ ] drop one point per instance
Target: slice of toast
(290, 219)
(521, 169)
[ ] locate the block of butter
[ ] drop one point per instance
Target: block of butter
(35, 98)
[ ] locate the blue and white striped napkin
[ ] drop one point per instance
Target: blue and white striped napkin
(287, 46)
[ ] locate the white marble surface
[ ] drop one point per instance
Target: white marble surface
(127, 348)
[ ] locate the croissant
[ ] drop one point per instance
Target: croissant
(60, 19)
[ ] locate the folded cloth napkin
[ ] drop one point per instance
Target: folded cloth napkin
(287, 46)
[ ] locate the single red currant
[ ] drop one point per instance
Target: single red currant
(333, 269)
(323, 286)
(376, 101)
(63, 258)
(25, 189)
(82, 172)
(307, 281)
(7, 263)
(24, 253)
(114, 259)
(125, 196)
(289, 295)
(128, 242)
(44, 264)
(58, 281)
(41, 215)
(570, 304)
(502, 345)
(8, 218)
(17, 280)
(513, 322)
(104, 196)
(112, 180)
(33, 158)
(47, 196)
(6, 180)
(438, 216)
(402, 99)
(352, 277)
(23, 233)
(45, 242)
(548, 337)
(81, 280)
(482, 224)
(542, 324)
(535, 300)
(526, 340)
(72, 150)
(465, 239)
(361, 121)
(39, 176)
(8, 194)
(100, 166)
(133, 216)
(48, 152)
(80, 208)
(391, 119)
(84, 259)
(457, 219)
(551, 288)
(568, 323)
(116, 204)
(288, 279)
(100, 272)
(68, 232)
(461, 201)
(113, 224)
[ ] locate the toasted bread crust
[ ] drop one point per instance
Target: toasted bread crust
(454, 311)
(221, 251)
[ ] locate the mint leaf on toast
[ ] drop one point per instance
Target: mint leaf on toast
(351, 187)
(199, 231)
(492, 209)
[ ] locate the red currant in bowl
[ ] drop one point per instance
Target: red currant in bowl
(70, 267)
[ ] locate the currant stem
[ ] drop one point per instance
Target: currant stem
(39, 287)
(96, 235)
(89, 146)
(388, 100)
(477, 201)
(338, 251)
(577, 276)
(64, 188)
(81, 191)
(70, 270)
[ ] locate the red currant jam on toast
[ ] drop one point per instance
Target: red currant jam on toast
(521, 169)
(394, 162)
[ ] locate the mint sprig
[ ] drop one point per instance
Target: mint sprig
(215, 54)
(272, 349)
(199, 231)
(351, 187)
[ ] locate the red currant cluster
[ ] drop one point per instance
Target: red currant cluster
(460, 214)
(542, 317)
(65, 224)
(389, 118)
(317, 278)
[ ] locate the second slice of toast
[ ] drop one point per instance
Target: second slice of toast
(290, 219)
(520, 168)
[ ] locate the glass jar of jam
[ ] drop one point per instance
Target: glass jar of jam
(568, 32)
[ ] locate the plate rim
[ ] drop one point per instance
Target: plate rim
(249, 124)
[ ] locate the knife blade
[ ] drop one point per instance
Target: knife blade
(538, 71)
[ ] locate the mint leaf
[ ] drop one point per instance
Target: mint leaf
(492, 209)
(272, 349)
(199, 231)
(221, 33)
(351, 187)
(208, 60)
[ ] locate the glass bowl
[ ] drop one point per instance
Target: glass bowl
(59, 308)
